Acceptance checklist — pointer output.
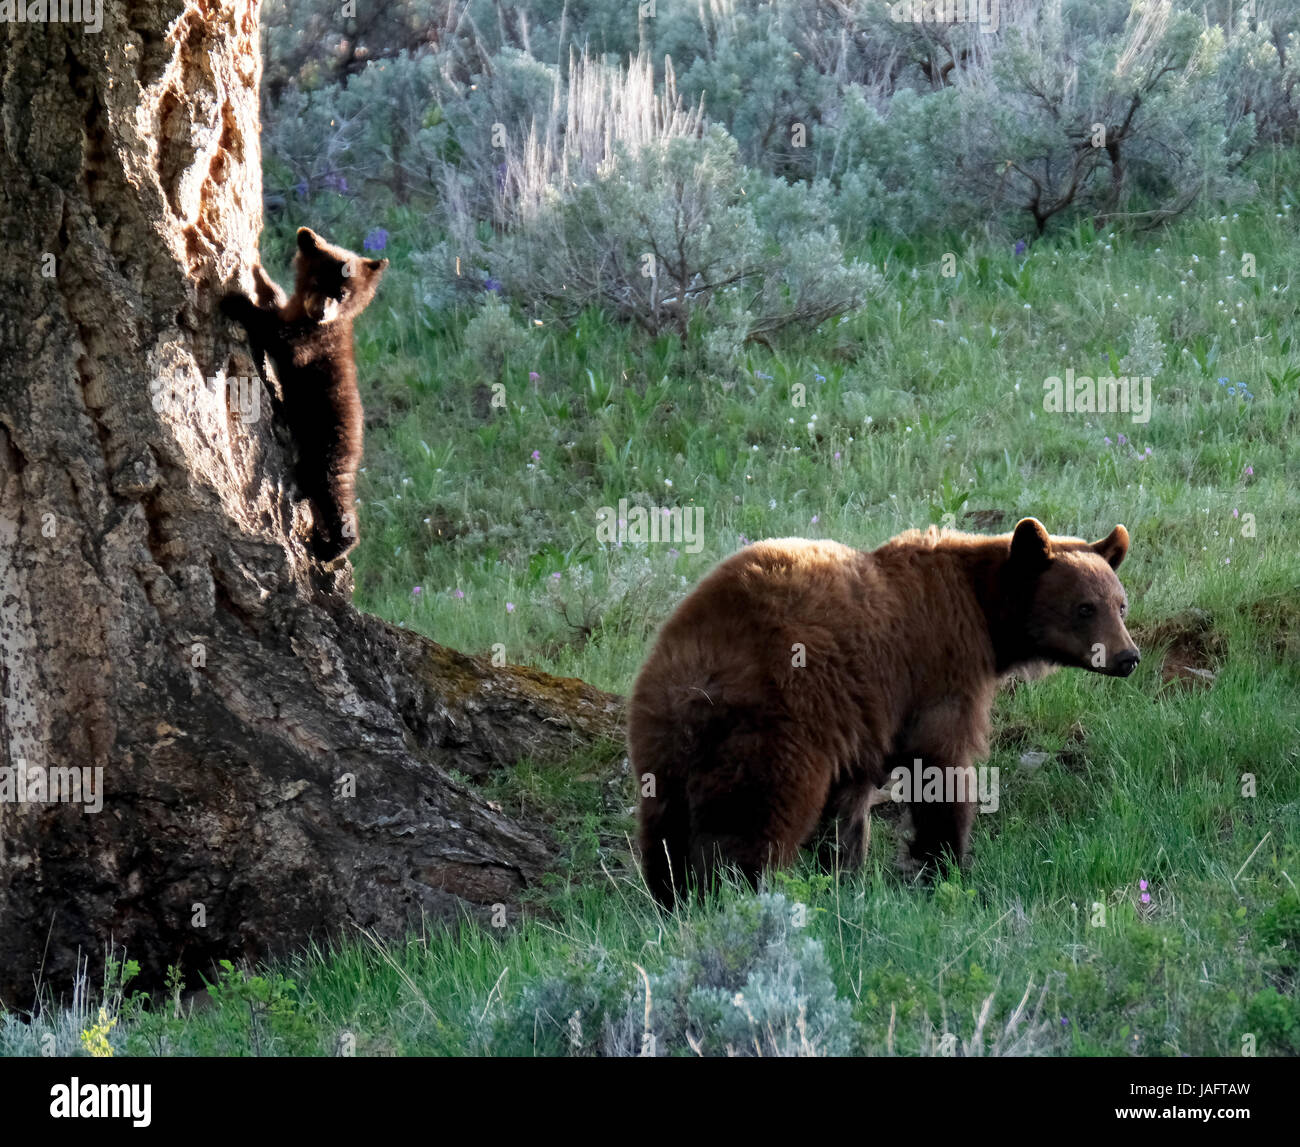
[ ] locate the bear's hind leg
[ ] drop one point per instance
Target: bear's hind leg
(762, 817)
(845, 828)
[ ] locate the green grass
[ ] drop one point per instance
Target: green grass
(924, 407)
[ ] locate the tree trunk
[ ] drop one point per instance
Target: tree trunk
(274, 763)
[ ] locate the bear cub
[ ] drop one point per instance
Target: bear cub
(799, 675)
(308, 335)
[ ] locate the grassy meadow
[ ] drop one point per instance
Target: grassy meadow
(1135, 892)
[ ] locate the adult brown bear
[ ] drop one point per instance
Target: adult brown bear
(799, 674)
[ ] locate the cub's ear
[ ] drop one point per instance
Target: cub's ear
(376, 266)
(308, 240)
(1031, 547)
(1113, 546)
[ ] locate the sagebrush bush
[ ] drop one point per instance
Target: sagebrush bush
(493, 338)
(680, 226)
(748, 982)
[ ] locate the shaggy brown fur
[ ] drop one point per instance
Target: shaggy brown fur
(309, 338)
(749, 756)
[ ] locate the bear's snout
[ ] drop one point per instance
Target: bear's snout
(1126, 662)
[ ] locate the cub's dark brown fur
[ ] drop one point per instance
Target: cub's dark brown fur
(752, 754)
(308, 336)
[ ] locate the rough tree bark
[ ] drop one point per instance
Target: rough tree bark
(159, 616)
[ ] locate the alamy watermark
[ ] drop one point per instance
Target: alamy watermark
(175, 396)
(1081, 394)
(985, 13)
(946, 784)
(651, 525)
(35, 784)
(88, 13)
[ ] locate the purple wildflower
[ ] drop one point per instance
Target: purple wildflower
(375, 240)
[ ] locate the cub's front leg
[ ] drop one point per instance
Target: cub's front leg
(270, 296)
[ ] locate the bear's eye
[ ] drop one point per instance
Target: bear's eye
(1123, 609)
(1087, 609)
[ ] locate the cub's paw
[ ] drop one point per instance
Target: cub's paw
(238, 306)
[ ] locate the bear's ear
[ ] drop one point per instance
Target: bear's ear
(1031, 547)
(1113, 546)
(308, 240)
(376, 266)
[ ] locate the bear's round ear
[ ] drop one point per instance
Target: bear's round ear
(376, 266)
(1113, 546)
(1031, 547)
(308, 240)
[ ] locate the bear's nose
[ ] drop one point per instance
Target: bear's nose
(1126, 662)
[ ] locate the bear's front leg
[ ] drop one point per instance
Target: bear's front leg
(938, 748)
(942, 817)
(269, 293)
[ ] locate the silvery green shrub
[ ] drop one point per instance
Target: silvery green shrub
(747, 982)
(750, 983)
(493, 338)
(677, 227)
(1103, 109)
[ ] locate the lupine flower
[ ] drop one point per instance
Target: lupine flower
(537, 455)
(1250, 470)
(556, 575)
(1146, 896)
(533, 376)
(1122, 440)
(376, 240)
(1021, 246)
(816, 518)
(301, 187)
(1106, 440)
(1234, 512)
(458, 594)
(837, 455)
(491, 284)
(510, 607)
(416, 591)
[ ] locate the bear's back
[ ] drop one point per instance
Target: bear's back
(785, 628)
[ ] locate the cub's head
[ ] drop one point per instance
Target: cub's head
(332, 283)
(1070, 603)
